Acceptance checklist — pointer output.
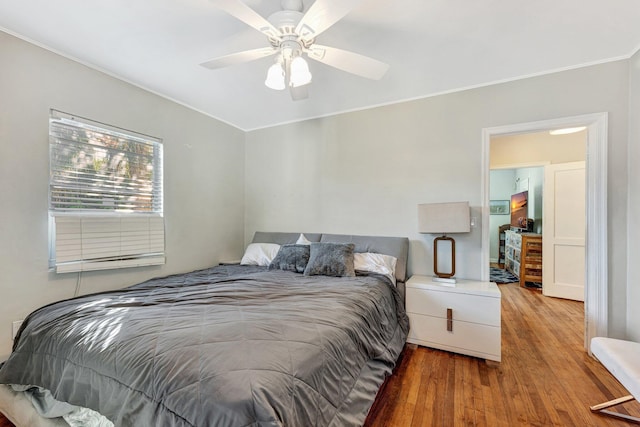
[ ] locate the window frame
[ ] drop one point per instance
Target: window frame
(126, 237)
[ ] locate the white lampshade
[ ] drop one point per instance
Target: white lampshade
(444, 218)
(300, 74)
(275, 77)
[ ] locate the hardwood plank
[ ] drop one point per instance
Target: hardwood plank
(428, 368)
(476, 402)
(448, 410)
(433, 376)
(545, 377)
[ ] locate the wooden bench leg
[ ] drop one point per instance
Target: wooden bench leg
(601, 409)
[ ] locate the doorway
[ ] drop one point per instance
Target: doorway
(596, 301)
(536, 170)
(509, 183)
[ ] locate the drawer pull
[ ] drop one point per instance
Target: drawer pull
(449, 319)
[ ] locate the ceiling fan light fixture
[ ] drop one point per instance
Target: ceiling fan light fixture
(300, 74)
(275, 77)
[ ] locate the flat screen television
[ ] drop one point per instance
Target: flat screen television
(519, 210)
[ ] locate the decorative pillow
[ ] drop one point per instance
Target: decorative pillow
(291, 258)
(331, 259)
(302, 240)
(376, 263)
(260, 254)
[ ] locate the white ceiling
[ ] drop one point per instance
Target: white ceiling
(432, 47)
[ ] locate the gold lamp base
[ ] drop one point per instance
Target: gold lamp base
(442, 276)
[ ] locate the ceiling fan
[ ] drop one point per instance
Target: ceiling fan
(292, 36)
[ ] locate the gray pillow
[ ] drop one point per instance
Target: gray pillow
(291, 258)
(331, 259)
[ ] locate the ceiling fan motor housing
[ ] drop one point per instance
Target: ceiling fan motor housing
(292, 5)
(285, 20)
(288, 41)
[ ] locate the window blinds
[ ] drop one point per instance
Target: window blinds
(97, 167)
(105, 196)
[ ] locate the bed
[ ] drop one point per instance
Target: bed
(233, 345)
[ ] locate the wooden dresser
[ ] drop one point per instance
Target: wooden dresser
(524, 256)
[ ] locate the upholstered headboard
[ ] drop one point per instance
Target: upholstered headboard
(394, 246)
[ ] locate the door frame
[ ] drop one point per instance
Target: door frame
(596, 274)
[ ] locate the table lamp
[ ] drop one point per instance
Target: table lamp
(443, 219)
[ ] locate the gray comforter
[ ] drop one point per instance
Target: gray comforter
(227, 346)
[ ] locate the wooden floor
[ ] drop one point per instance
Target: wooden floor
(545, 377)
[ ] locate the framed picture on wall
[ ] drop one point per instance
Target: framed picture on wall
(499, 207)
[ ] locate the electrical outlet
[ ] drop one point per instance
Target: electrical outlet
(15, 326)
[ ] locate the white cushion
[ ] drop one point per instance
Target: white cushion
(376, 263)
(260, 254)
(622, 359)
(302, 240)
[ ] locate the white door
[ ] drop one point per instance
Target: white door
(563, 231)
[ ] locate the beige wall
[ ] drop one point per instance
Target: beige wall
(365, 172)
(203, 172)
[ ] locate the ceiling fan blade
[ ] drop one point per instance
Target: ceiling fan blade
(244, 13)
(350, 62)
(239, 58)
(321, 15)
(299, 93)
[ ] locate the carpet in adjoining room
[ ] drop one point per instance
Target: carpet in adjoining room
(500, 276)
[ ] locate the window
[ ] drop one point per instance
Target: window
(105, 196)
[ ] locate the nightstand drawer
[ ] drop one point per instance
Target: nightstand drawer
(467, 338)
(466, 307)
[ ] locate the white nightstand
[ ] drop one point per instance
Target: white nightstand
(463, 319)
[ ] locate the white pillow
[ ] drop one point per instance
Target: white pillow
(260, 254)
(376, 263)
(303, 240)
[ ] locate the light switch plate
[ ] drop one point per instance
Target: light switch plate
(15, 326)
